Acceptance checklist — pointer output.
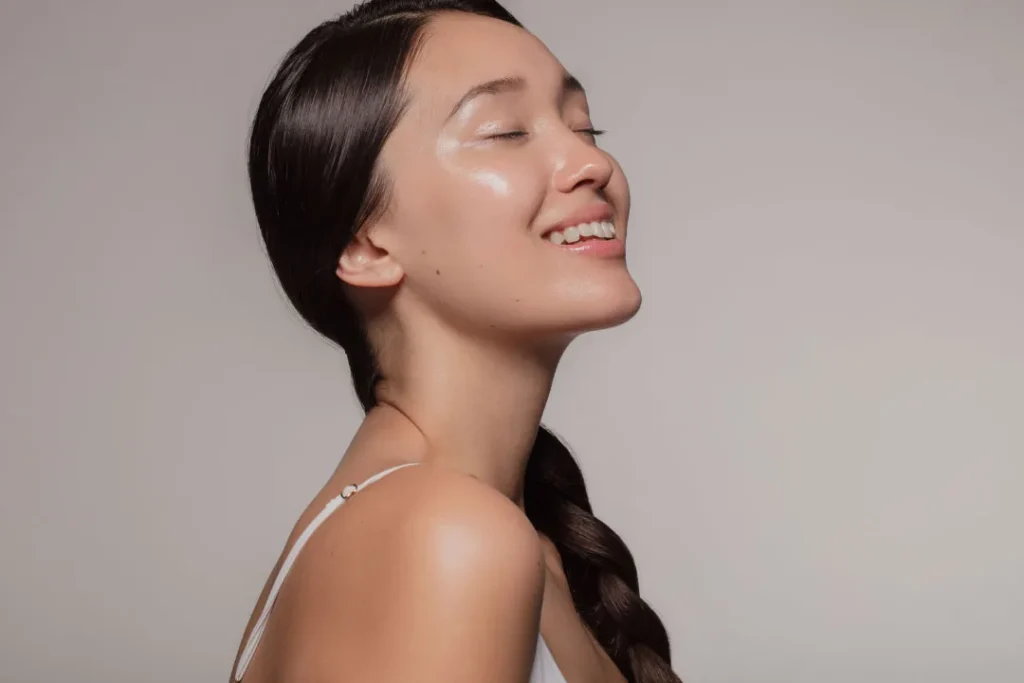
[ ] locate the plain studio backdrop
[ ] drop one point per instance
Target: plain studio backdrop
(811, 437)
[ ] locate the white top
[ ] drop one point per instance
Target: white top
(545, 670)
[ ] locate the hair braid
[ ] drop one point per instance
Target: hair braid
(600, 570)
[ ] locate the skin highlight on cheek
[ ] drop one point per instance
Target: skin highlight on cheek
(446, 145)
(491, 180)
(447, 148)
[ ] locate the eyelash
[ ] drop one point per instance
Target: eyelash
(517, 134)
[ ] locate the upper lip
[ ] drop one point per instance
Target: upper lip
(586, 214)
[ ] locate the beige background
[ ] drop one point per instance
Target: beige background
(811, 437)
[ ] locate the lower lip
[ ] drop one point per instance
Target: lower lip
(595, 247)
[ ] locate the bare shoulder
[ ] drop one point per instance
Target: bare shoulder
(427, 574)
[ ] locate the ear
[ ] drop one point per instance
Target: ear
(365, 264)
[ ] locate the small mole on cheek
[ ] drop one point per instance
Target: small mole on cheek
(424, 252)
(438, 272)
(517, 300)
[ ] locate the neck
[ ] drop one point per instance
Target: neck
(467, 404)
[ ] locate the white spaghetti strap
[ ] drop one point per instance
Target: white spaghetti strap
(332, 505)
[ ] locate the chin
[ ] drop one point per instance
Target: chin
(625, 307)
(611, 309)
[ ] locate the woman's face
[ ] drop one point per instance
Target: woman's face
(479, 182)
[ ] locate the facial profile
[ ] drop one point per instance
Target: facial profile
(494, 149)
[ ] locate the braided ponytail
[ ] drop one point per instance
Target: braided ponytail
(314, 182)
(600, 570)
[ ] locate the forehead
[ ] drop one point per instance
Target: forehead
(460, 50)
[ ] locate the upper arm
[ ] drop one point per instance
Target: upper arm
(454, 596)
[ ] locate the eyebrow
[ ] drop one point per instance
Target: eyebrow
(507, 84)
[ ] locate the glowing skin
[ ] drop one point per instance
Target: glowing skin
(468, 306)
(463, 234)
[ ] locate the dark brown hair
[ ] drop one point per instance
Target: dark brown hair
(315, 140)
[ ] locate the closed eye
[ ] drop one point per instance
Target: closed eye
(512, 135)
(518, 134)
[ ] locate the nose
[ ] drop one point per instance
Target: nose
(581, 162)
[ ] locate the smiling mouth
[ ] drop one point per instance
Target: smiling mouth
(595, 230)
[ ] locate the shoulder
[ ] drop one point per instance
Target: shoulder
(458, 531)
(432, 559)
(431, 511)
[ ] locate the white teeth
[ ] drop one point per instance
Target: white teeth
(600, 229)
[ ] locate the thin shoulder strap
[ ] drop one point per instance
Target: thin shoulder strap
(332, 505)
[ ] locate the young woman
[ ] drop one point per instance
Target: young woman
(429, 187)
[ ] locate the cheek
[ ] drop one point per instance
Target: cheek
(473, 222)
(489, 206)
(493, 182)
